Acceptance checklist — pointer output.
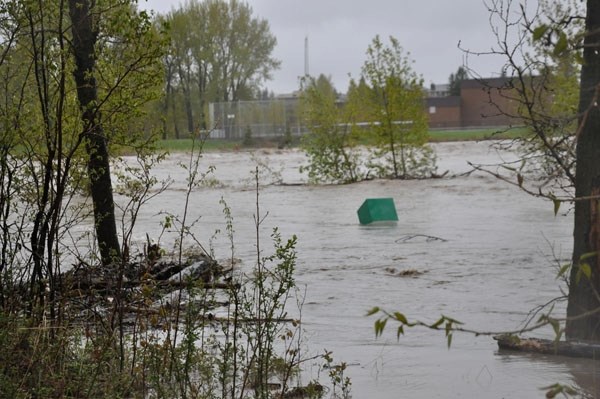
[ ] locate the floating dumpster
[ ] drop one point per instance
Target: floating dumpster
(376, 210)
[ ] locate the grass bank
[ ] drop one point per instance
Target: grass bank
(180, 145)
(175, 145)
(476, 134)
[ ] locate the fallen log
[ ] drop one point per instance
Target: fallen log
(589, 350)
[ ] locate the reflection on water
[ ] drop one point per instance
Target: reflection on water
(493, 261)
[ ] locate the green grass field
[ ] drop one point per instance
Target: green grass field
(476, 134)
(181, 145)
(175, 145)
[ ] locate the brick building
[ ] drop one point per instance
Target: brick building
(482, 103)
(444, 112)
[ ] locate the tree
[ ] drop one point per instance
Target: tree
(455, 79)
(85, 34)
(332, 139)
(395, 109)
(168, 98)
(561, 113)
(220, 52)
(244, 46)
(116, 71)
(180, 22)
(583, 311)
(74, 77)
(549, 91)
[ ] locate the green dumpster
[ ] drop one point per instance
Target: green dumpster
(377, 209)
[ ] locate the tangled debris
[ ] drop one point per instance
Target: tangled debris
(404, 273)
(418, 237)
(146, 285)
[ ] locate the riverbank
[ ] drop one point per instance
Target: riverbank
(436, 136)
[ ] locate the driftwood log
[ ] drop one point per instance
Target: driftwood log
(588, 350)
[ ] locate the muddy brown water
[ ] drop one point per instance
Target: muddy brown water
(496, 260)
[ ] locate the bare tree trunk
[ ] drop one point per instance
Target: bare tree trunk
(202, 96)
(184, 81)
(583, 309)
(188, 110)
(167, 99)
(174, 112)
(166, 111)
(84, 40)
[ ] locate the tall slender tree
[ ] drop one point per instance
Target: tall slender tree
(85, 35)
(331, 143)
(396, 110)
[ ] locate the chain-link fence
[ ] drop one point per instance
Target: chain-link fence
(262, 118)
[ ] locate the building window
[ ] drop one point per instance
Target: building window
(432, 109)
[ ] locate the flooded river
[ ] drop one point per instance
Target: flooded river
(496, 259)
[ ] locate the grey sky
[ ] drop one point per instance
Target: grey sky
(339, 32)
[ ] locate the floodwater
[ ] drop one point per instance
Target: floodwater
(495, 259)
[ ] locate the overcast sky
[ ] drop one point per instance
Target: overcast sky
(339, 32)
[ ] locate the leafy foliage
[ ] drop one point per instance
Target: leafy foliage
(394, 107)
(447, 324)
(385, 109)
(549, 100)
(219, 51)
(332, 140)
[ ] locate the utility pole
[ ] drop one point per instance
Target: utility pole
(306, 73)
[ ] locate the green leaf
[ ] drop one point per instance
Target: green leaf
(400, 317)
(449, 340)
(561, 44)
(400, 332)
(520, 180)
(555, 326)
(563, 269)
(587, 255)
(379, 327)
(453, 321)
(584, 269)
(553, 390)
(539, 32)
(556, 205)
(373, 311)
(448, 328)
(438, 323)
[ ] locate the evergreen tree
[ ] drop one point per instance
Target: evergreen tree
(455, 80)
